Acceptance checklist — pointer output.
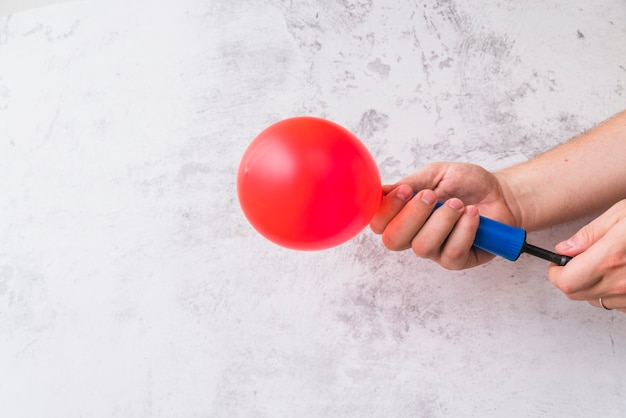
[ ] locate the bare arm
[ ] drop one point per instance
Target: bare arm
(581, 177)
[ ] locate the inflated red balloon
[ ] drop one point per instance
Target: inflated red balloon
(308, 184)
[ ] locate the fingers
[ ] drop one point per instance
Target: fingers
(392, 203)
(457, 250)
(445, 235)
(610, 303)
(601, 268)
(429, 240)
(403, 227)
(599, 271)
(426, 177)
(592, 232)
(448, 235)
(577, 277)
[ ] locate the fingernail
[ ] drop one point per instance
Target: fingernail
(471, 210)
(428, 197)
(404, 193)
(455, 204)
(565, 245)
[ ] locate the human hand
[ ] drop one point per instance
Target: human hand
(599, 268)
(445, 236)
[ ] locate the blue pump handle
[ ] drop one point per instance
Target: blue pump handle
(497, 238)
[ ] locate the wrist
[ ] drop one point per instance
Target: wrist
(517, 197)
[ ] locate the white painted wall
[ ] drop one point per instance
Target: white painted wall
(131, 285)
(12, 6)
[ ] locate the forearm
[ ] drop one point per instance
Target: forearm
(577, 178)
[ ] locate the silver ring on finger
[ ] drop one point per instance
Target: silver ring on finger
(602, 305)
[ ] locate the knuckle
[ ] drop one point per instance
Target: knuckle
(453, 258)
(455, 254)
(377, 229)
(614, 260)
(421, 249)
(567, 287)
(390, 242)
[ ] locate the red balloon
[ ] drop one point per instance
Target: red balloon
(308, 184)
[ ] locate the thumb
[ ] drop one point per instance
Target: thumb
(578, 242)
(426, 177)
(590, 233)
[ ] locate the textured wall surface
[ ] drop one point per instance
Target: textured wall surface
(131, 285)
